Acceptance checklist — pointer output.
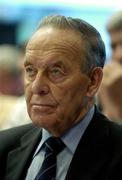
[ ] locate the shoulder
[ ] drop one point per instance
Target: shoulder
(112, 129)
(12, 136)
(19, 130)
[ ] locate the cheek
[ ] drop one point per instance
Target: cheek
(70, 93)
(71, 101)
(76, 96)
(28, 93)
(78, 89)
(61, 93)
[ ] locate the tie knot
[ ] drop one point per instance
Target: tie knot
(54, 144)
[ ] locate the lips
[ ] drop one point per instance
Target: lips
(43, 104)
(43, 108)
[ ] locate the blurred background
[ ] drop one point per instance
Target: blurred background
(18, 18)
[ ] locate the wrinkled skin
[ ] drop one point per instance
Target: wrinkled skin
(58, 94)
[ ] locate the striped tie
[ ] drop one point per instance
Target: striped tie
(52, 147)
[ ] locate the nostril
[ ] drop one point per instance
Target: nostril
(40, 89)
(44, 91)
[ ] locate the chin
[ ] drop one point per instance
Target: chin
(44, 122)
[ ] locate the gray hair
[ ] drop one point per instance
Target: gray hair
(115, 22)
(95, 50)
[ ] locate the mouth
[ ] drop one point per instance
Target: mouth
(43, 108)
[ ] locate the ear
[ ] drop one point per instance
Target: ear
(95, 81)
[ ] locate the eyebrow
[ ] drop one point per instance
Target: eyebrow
(27, 63)
(44, 64)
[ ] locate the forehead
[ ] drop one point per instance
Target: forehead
(49, 38)
(49, 42)
(53, 34)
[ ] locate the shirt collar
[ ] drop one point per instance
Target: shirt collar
(45, 136)
(72, 137)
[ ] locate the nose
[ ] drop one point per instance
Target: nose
(40, 85)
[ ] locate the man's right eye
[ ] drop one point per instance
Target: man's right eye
(30, 71)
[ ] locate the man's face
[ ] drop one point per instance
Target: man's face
(55, 88)
(116, 45)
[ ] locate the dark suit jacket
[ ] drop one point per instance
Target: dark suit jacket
(97, 157)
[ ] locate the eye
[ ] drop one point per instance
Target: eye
(56, 73)
(30, 71)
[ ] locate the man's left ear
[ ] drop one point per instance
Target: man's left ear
(95, 81)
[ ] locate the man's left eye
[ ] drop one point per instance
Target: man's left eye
(56, 72)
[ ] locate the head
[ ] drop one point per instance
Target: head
(114, 27)
(63, 71)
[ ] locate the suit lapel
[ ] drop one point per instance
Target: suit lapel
(92, 151)
(20, 158)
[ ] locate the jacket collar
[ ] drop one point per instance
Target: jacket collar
(92, 151)
(20, 158)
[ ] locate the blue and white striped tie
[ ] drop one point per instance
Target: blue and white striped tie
(52, 147)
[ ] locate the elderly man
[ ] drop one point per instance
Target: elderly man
(69, 139)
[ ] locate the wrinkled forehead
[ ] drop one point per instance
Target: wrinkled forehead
(53, 40)
(48, 35)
